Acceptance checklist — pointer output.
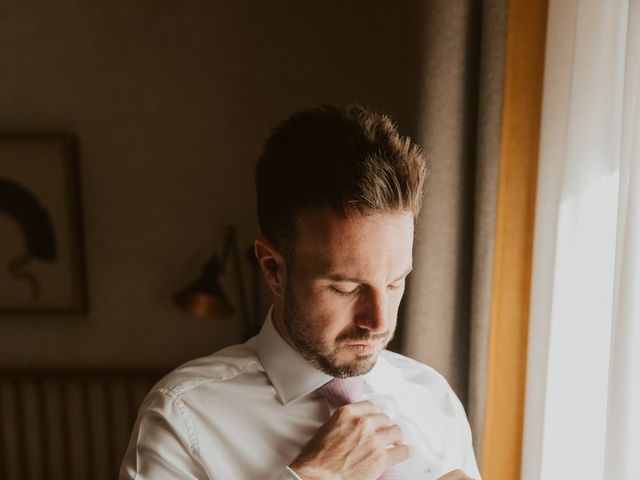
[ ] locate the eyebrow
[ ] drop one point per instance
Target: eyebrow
(341, 278)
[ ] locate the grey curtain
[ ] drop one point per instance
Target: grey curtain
(447, 307)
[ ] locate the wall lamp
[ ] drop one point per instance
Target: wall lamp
(205, 298)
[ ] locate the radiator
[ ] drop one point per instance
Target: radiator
(68, 424)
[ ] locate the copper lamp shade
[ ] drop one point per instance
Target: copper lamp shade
(205, 298)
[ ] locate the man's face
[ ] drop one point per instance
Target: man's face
(346, 278)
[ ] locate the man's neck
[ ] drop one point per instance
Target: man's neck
(277, 318)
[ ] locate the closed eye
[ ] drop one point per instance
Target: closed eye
(344, 293)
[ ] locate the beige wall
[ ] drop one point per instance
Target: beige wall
(171, 102)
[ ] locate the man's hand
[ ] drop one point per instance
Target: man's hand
(455, 475)
(357, 443)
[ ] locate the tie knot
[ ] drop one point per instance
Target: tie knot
(342, 391)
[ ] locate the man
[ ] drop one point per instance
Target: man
(315, 395)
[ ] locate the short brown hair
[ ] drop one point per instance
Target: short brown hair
(345, 158)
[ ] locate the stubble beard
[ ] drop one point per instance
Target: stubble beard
(316, 351)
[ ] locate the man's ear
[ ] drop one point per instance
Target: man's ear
(272, 265)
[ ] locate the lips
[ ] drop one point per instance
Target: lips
(366, 347)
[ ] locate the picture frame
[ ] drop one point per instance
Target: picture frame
(42, 254)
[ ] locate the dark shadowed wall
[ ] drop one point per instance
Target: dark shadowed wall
(170, 102)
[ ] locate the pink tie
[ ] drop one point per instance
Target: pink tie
(343, 391)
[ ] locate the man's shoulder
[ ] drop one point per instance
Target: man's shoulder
(223, 366)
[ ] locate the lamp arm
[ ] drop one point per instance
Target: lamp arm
(231, 248)
(255, 287)
(230, 239)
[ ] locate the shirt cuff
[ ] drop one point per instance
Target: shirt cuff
(289, 474)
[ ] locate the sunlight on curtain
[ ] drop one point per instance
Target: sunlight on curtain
(583, 380)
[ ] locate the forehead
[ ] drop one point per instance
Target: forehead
(327, 241)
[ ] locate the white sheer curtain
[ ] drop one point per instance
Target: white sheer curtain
(582, 412)
(622, 459)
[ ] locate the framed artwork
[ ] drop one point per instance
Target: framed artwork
(41, 237)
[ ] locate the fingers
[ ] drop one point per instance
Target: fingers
(455, 475)
(362, 414)
(356, 439)
(376, 421)
(360, 408)
(390, 435)
(399, 453)
(377, 424)
(383, 432)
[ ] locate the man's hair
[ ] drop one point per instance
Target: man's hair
(348, 159)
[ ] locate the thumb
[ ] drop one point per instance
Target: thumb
(455, 475)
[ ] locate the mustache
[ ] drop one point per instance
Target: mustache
(360, 335)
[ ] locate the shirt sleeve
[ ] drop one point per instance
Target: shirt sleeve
(467, 455)
(470, 467)
(163, 445)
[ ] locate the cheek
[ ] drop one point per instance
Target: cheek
(329, 311)
(320, 299)
(332, 314)
(395, 300)
(392, 308)
(334, 317)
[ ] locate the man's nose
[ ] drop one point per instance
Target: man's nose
(372, 314)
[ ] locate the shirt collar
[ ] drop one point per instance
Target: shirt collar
(290, 374)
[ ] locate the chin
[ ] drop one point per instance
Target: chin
(361, 365)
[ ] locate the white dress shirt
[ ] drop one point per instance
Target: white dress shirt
(246, 412)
